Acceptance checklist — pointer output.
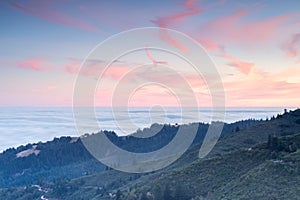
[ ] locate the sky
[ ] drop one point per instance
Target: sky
(255, 46)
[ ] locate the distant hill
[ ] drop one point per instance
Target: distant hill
(252, 160)
(66, 157)
(260, 160)
(243, 174)
(62, 157)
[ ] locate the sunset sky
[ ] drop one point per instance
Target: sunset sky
(254, 44)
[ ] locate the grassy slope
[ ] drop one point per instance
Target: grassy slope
(243, 174)
(235, 172)
(231, 171)
(286, 124)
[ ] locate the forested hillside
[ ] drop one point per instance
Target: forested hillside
(66, 157)
(252, 159)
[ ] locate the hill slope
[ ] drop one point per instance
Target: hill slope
(262, 172)
(241, 166)
(67, 157)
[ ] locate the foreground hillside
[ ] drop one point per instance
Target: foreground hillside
(259, 161)
(280, 125)
(267, 171)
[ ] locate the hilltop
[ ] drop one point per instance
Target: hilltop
(66, 157)
(258, 160)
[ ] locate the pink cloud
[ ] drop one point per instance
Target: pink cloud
(90, 68)
(195, 80)
(72, 67)
(264, 89)
(243, 67)
(36, 64)
(155, 96)
(43, 10)
(236, 28)
(191, 9)
(46, 89)
(116, 71)
(153, 59)
(292, 46)
(262, 92)
(167, 38)
(149, 55)
(210, 45)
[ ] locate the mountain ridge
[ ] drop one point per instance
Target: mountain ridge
(54, 159)
(244, 160)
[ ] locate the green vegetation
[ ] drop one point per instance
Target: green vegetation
(257, 161)
(67, 157)
(242, 174)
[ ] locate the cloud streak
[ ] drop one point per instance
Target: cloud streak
(264, 89)
(235, 28)
(155, 62)
(92, 68)
(292, 46)
(44, 90)
(191, 9)
(35, 64)
(210, 45)
(243, 67)
(44, 11)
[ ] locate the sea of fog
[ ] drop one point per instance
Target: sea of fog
(20, 126)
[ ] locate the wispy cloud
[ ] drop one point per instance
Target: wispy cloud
(292, 46)
(36, 64)
(46, 11)
(90, 67)
(190, 9)
(264, 89)
(73, 66)
(210, 45)
(46, 89)
(236, 28)
(165, 36)
(242, 66)
(155, 62)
